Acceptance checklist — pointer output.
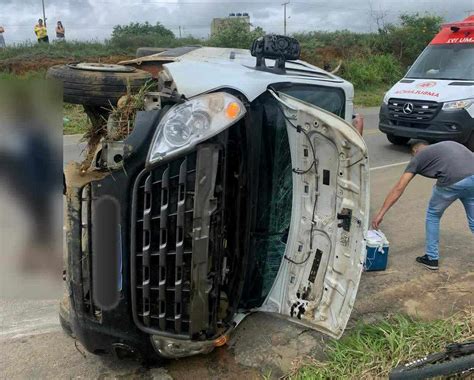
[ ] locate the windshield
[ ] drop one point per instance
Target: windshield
(454, 61)
(331, 99)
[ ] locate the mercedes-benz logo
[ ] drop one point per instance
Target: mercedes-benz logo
(408, 108)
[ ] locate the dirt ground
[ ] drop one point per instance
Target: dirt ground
(22, 66)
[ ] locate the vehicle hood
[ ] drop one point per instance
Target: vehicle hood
(320, 271)
(432, 89)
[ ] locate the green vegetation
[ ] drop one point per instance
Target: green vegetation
(373, 62)
(370, 97)
(407, 40)
(75, 121)
(372, 71)
(370, 351)
(135, 35)
(37, 74)
(73, 50)
(235, 33)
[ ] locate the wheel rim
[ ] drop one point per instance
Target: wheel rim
(108, 67)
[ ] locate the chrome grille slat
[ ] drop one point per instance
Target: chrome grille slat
(163, 248)
(147, 202)
(179, 245)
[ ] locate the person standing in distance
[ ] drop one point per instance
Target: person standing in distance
(41, 32)
(2, 39)
(60, 31)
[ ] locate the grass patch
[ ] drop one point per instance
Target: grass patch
(75, 120)
(371, 97)
(371, 350)
(37, 74)
(75, 50)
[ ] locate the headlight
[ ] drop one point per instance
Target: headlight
(458, 105)
(187, 124)
(386, 97)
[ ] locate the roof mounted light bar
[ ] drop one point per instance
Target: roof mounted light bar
(458, 25)
(279, 48)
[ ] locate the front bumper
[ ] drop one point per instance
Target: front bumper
(453, 125)
(176, 348)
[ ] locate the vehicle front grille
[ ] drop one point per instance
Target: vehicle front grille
(163, 220)
(412, 110)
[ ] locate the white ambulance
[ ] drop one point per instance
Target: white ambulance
(435, 99)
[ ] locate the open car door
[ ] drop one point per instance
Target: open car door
(319, 275)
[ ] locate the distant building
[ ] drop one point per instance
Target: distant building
(218, 23)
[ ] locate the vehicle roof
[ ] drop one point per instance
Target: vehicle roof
(213, 68)
(460, 32)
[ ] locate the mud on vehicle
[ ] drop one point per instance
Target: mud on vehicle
(241, 187)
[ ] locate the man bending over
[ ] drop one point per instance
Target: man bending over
(452, 164)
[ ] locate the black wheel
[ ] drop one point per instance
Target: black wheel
(145, 51)
(96, 84)
(451, 367)
(398, 140)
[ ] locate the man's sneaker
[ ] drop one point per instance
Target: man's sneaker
(427, 262)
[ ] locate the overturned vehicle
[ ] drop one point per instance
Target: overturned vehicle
(241, 187)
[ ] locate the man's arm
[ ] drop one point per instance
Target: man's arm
(392, 198)
(358, 123)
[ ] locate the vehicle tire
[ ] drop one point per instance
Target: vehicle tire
(397, 140)
(451, 367)
(96, 84)
(145, 51)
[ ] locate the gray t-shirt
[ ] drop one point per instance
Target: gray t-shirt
(448, 162)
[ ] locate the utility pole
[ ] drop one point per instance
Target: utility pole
(44, 13)
(284, 17)
(180, 31)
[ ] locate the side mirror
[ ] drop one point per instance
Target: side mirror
(279, 48)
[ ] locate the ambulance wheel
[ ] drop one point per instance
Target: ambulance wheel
(97, 84)
(398, 140)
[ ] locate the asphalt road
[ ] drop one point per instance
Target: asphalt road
(32, 344)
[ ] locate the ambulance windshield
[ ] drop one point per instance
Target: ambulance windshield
(446, 61)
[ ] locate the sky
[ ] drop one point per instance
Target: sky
(94, 19)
